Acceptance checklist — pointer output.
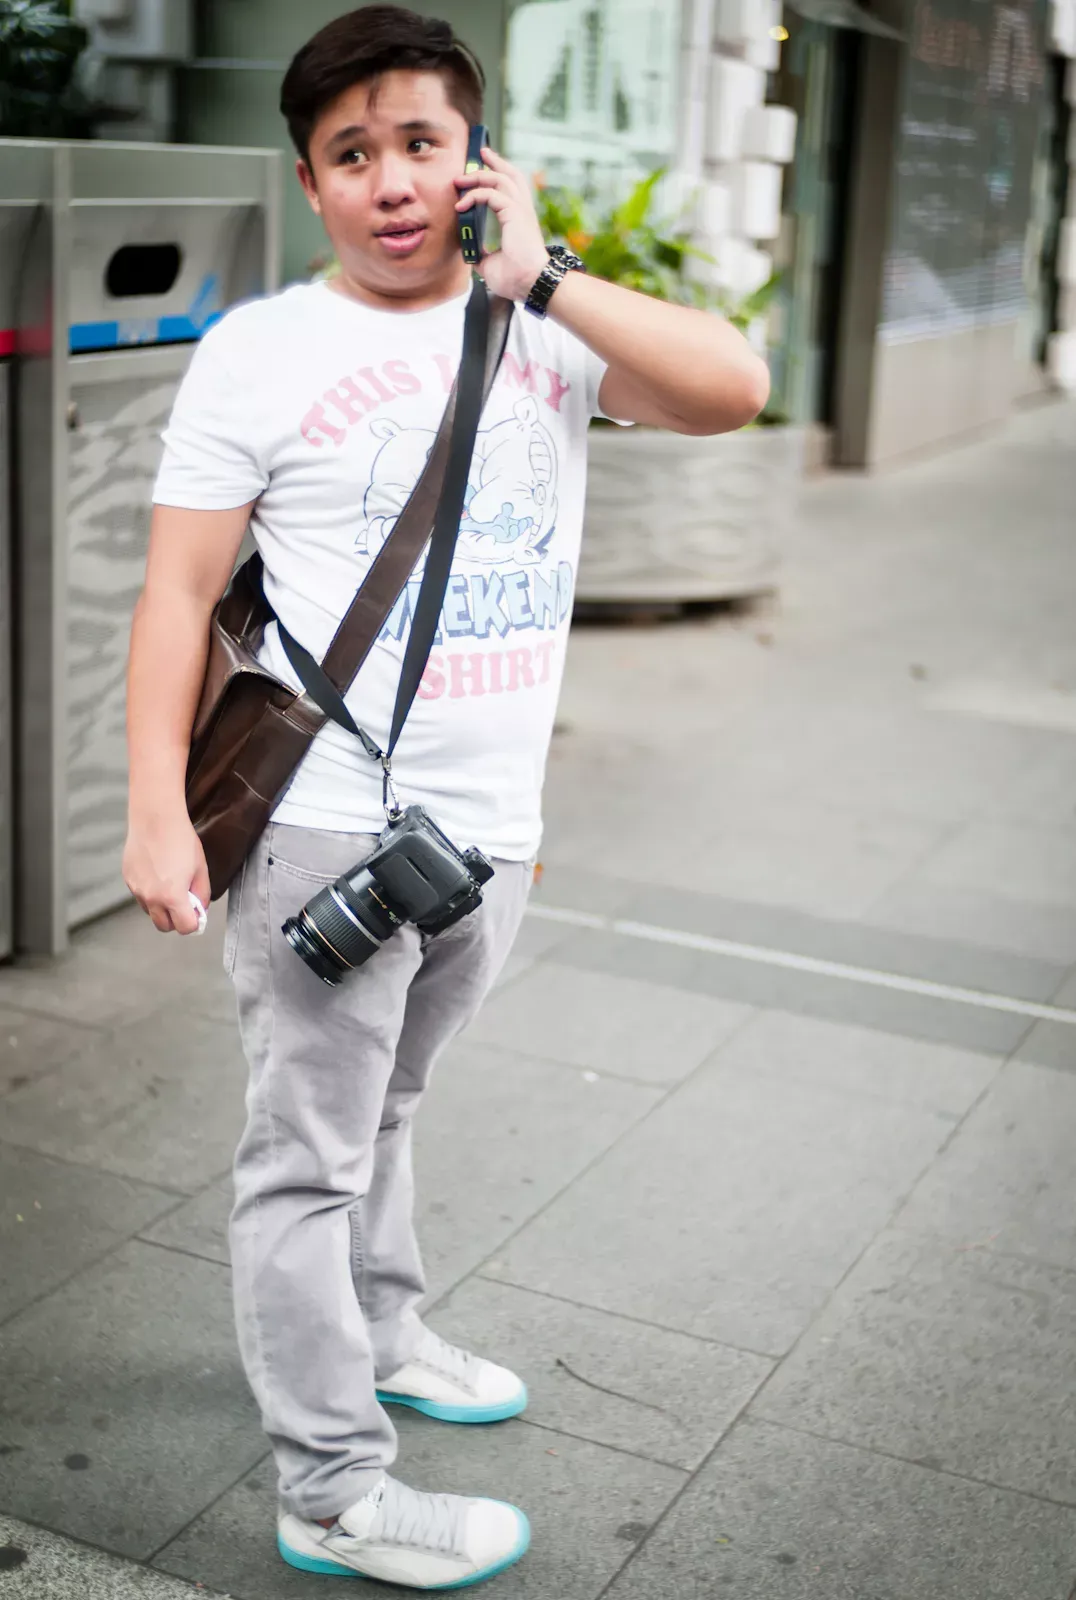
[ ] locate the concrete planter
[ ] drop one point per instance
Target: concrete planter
(672, 518)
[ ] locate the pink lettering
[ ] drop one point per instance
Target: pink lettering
(464, 670)
(349, 400)
(316, 422)
(519, 669)
(432, 683)
(557, 388)
(380, 388)
(447, 371)
(543, 654)
(522, 377)
(497, 672)
(402, 378)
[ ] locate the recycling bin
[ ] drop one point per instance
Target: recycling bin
(23, 229)
(143, 248)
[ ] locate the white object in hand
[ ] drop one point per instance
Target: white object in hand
(196, 905)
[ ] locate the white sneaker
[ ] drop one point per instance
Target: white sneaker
(396, 1534)
(452, 1385)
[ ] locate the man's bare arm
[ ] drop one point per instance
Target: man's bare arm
(191, 556)
(671, 366)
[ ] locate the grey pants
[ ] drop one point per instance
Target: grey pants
(327, 1273)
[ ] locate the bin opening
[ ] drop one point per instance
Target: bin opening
(143, 269)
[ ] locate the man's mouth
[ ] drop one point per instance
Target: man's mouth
(400, 237)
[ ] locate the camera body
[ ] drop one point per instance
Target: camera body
(416, 874)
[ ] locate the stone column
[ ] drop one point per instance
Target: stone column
(732, 145)
(1061, 349)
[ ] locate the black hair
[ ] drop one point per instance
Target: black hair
(359, 48)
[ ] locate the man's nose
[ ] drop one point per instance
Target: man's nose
(394, 185)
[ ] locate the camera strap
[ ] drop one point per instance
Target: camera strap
(394, 562)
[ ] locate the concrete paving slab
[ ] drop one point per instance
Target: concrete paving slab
(211, 996)
(645, 1031)
(163, 1095)
(856, 942)
(775, 1515)
(1050, 1044)
(580, 887)
(933, 765)
(534, 940)
(587, 1507)
(1005, 1181)
(31, 1046)
(498, 1136)
(824, 859)
(1053, 1044)
(199, 1225)
(116, 969)
(75, 987)
(616, 1382)
(1034, 864)
(855, 1060)
(732, 1211)
(55, 1219)
(38, 1565)
(1041, 931)
(805, 993)
(124, 1411)
(1042, 789)
(948, 1354)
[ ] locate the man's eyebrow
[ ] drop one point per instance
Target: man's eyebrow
(356, 130)
(347, 133)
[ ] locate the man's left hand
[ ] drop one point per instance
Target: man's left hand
(510, 271)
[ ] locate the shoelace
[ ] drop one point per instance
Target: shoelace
(409, 1517)
(448, 1358)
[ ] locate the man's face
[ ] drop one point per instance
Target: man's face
(381, 178)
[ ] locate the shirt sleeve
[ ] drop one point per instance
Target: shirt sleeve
(594, 370)
(210, 460)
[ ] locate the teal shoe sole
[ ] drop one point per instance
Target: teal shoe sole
(337, 1569)
(442, 1413)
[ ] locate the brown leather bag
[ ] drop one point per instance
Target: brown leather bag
(252, 730)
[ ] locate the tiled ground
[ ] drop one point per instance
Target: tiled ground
(788, 1260)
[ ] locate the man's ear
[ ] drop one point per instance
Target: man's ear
(310, 188)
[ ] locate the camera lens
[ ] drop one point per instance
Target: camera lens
(341, 927)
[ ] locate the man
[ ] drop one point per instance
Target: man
(308, 416)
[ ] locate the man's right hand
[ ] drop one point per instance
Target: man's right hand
(163, 860)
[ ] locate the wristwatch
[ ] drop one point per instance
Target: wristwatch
(561, 262)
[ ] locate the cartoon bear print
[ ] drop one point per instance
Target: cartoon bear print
(510, 504)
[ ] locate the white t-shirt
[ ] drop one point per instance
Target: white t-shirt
(325, 410)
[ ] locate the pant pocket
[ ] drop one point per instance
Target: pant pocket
(231, 927)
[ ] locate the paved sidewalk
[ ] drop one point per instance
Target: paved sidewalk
(785, 1251)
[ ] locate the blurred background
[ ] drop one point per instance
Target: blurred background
(759, 1160)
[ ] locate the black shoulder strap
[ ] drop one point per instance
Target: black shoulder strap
(446, 526)
(485, 334)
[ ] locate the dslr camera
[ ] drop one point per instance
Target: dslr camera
(416, 874)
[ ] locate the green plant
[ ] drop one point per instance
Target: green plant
(40, 95)
(626, 244)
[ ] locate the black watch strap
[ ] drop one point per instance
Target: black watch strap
(560, 263)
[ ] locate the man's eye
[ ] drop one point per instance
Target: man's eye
(414, 142)
(352, 158)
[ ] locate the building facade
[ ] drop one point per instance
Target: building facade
(903, 169)
(925, 227)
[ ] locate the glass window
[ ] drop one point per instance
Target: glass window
(591, 91)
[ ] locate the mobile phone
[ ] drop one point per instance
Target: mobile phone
(472, 224)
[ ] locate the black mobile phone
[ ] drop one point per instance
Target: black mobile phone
(472, 224)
